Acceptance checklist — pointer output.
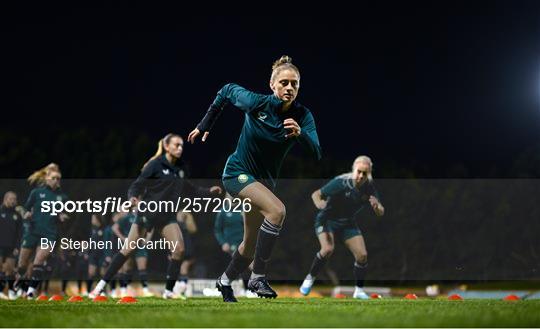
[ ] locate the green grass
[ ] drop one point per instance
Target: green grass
(281, 312)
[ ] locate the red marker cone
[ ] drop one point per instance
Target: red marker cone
(511, 298)
(99, 299)
(455, 297)
(127, 300)
(42, 298)
(75, 299)
(56, 298)
(340, 296)
(411, 296)
(375, 296)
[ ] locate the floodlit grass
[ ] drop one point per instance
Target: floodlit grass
(281, 312)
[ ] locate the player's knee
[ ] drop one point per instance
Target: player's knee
(361, 258)
(327, 251)
(178, 253)
(277, 214)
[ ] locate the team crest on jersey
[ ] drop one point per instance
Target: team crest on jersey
(228, 214)
(42, 195)
(15, 217)
(243, 178)
(58, 198)
(262, 116)
(181, 174)
(165, 171)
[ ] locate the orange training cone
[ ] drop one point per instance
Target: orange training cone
(99, 299)
(127, 300)
(511, 298)
(375, 296)
(56, 298)
(75, 299)
(411, 296)
(455, 297)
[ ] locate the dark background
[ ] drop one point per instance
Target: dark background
(428, 90)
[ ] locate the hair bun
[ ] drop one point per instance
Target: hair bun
(283, 60)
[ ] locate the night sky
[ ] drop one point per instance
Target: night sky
(427, 83)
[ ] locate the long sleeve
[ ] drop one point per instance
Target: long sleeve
(30, 201)
(231, 93)
(218, 229)
(138, 187)
(308, 137)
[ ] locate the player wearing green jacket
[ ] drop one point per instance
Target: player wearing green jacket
(273, 124)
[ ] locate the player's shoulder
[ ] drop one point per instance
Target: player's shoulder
(344, 180)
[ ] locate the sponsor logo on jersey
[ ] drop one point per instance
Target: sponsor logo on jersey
(181, 174)
(262, 116)
(165, 171)
(242, 178)
(42, 195)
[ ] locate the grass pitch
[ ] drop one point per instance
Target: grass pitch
(281, 312)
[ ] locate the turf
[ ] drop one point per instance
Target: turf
(281, 312)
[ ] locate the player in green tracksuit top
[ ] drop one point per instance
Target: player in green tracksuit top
(229, 230)
(273, 124)
(340, 202)
(43, 224)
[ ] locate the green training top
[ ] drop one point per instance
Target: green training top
(43, 223)
(262, 145)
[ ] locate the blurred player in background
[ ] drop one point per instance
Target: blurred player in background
(96, 257)
(229, 232)
(187, 224)
(339, 202)
(44, 225)
(273, 124)
(10, 232)
(121, 228)
(161, 179)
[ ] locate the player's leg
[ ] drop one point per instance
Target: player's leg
(357, 246)
(182, 283)
(136, 232)
(38, 271)
(171, 233)
(124, 276)
(141, 261)
(22, 268)
(326, 240)
(9, 270)
(92, 273)
(273, 211)
(2, 276)
(243, 256)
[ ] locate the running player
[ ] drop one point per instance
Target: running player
(340, 202)
(10, 231)
(121, 229)
(44, 225)
(273, 124)
(161, 179)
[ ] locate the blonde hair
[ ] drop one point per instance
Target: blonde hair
(284, 63)
(161, 147)
(38, 177)
(365, 159)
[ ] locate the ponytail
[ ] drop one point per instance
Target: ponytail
(38, 177)
(161, 148)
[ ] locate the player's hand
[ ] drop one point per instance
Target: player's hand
(374, 202)
(226, 247)
(293, 127)
(27, 215)
(63, 217)
(321, 204)
(216, 190)
(192, 137)
(134, 201)
(376, 205)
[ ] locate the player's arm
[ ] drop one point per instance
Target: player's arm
(376, 205)
(202, 191)
(306, 134)
(138, 187)
(318, 200)
(116, 229)
(231, 93)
